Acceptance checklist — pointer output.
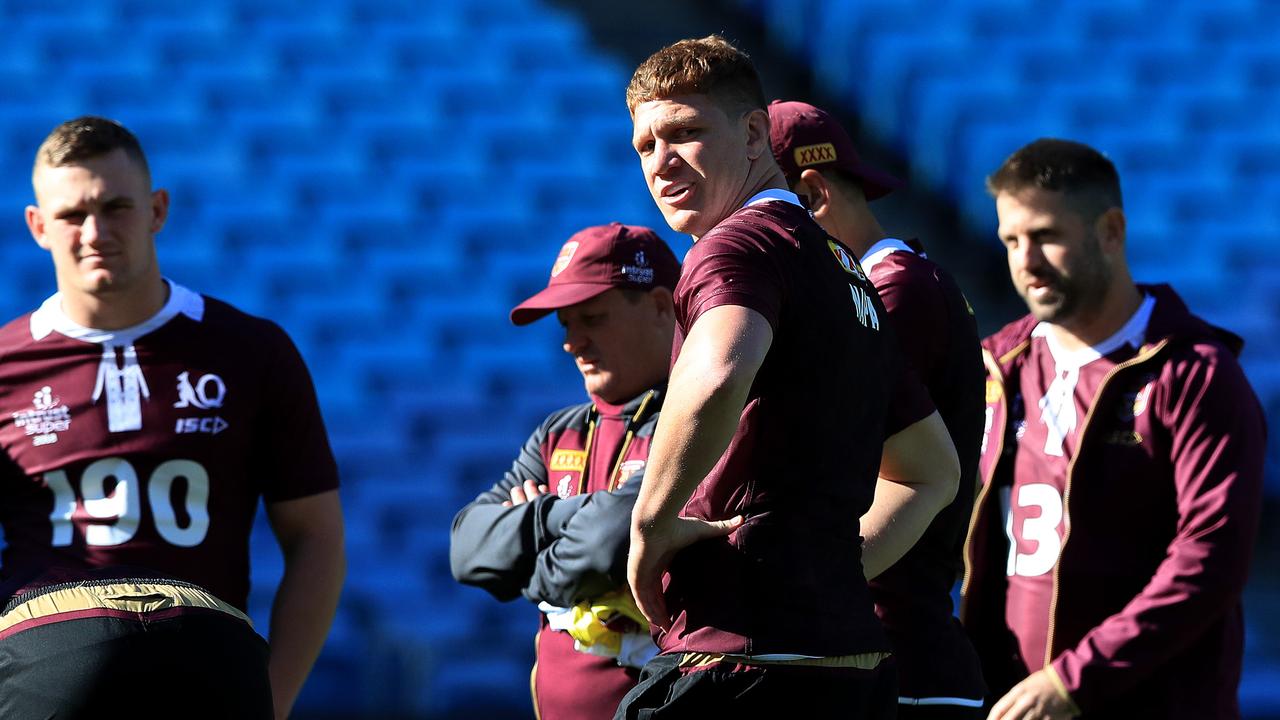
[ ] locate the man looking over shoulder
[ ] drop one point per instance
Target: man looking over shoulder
(938, 672)
(767, 451)
(1122, 470)
(555, 528)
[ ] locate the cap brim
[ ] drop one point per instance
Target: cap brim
(876, 184)
(554, 298)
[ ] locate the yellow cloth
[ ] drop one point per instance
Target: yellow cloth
(589, 621)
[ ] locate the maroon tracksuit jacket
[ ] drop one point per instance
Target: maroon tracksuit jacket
(1161, 504)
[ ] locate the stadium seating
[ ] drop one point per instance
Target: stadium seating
(386, 178)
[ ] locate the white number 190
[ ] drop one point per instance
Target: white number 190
(124, 503)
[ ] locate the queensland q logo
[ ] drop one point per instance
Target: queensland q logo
(208, 392)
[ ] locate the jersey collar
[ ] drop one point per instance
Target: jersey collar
(49, 318)
(882, 250)
(1133, 333)
(773, 194)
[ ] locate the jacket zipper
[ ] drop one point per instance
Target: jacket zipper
(1141, 357)
(994, 370)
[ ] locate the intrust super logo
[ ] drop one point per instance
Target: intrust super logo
(45, 420)
(807, 155)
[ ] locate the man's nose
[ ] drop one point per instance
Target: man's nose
(90, 229)
(574, 341)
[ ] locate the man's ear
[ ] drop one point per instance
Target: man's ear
(35, 223)
(1110, 229)
(817, 189)
(159, 209)
(663, 302)
(757, 134)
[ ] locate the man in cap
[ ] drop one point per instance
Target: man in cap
(938, 671)
(786, 385)
(555, 528)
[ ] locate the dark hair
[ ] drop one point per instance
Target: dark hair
(1078, 171)
(88, 137)
(698, 66)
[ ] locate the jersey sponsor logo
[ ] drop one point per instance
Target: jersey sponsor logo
(865, 309)
(629, 469)
(568, 460)
(994, 391)
(564, 488)
(206, 393)
(640, 272)
(121, 380)
(564, 258)
(807, 155)
(210, 425)
(847, 262)
(45, 420)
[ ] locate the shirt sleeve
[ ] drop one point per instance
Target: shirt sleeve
(731, 267)
(1216, 432)
(494, 547)
(294, 459)
(589, 557)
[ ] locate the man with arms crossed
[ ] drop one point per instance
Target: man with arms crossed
(766, 454)
(555, 528)
(1122, 470)
(938, 672)
(142, 421)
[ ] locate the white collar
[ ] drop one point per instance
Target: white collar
(49, 318)
(882, 250)
(774, 194)
(1133, 333)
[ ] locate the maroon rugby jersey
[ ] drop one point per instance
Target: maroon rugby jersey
(802, 465)
(150, 446)
(938, 335)
(1057, 389)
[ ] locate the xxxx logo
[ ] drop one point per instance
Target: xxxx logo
(814, 154)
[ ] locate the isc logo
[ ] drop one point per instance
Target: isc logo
(210, 425)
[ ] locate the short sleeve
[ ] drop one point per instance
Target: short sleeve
(909, 402)
(730, 268)
(293, 458)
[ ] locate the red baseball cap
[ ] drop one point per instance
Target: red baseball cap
(599, 258)
(804, 136)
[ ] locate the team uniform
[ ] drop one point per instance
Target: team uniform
(567, 549)
(1112, 537)
(150, 446)
(779, 609)
(938, 670)
(114, 642)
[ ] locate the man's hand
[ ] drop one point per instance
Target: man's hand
(524, 494)
(1035, 698)
(652, 548)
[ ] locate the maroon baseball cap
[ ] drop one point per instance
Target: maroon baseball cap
(599, 258)
(804, 136)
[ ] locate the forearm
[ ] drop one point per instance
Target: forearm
(919, 474)
(301, 614)
(696, 425)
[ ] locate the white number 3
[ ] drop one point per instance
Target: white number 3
(124, 503)
(1043, 530)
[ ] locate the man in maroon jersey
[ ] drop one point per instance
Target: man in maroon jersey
(1122, 470)
(767, 452)
(555, 528)
(938, 671)
(142, 421)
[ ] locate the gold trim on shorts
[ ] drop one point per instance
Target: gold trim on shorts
(860, 661)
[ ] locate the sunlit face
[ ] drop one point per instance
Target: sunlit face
(620, 347)
(696, 159)
(98, 218)
(1056, 259)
